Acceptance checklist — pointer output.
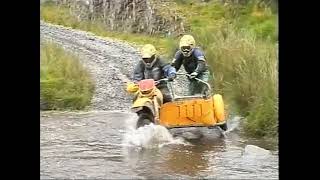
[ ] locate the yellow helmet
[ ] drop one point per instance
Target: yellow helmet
(187, 43)
(132, 87)
(148, 51)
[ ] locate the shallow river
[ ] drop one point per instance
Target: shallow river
(105, 145)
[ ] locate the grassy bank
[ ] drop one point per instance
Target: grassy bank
(64, 83)
(240, 43)
(246, 73)
(240, 46)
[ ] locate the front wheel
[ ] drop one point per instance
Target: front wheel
(144, 119)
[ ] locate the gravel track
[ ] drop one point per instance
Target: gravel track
(109, 61)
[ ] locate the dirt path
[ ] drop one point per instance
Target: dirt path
(110, 62)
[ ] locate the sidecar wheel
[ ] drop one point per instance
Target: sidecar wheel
(224, 126)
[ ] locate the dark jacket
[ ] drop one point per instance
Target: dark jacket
(195, 62)
(159, 70)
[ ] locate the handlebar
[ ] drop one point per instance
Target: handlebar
(188, 75)
(161, 80)
(170, 84)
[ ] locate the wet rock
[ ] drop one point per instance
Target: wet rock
(255, 151)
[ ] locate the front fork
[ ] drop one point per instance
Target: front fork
(156, 110)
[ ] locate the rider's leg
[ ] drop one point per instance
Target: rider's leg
(204, 77)
(135, 96)
(166, 93)
(192, 87)
(196, 87)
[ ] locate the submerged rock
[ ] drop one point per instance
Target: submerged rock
(255, 151)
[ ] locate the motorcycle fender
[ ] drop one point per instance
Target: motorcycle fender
(136, 109)
(142, 102)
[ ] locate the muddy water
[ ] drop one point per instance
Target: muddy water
(104, 145)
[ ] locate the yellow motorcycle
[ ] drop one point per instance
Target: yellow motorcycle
(183, 111)
(147, 101)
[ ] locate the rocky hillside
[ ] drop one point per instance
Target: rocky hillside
(137, 16)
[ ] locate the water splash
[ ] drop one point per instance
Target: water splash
(148, 136)
(233, 124)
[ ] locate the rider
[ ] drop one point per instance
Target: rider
(194, 63)
(151, 66)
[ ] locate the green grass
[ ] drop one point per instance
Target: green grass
(245, 72)
(261, 21)
(64, 83)
(240, 46)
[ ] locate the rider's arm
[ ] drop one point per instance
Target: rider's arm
(177, 61)
(138, 72)
(167, 68)
(201, 67)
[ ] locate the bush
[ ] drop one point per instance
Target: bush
(64, 83)
(245, 71)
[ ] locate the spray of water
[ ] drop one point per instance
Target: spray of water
(233, 124)
(149, 136)
(156, 136)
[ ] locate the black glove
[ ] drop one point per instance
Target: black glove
(172, 76)
(193, 75)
